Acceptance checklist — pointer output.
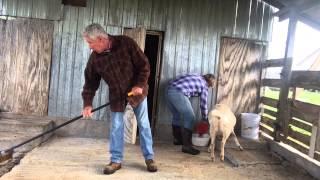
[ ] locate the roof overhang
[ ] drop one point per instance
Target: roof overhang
(306, 11)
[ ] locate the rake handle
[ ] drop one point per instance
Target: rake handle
(10, 150)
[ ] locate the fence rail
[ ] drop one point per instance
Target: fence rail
(300, 121)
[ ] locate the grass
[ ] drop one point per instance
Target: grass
(304, 96)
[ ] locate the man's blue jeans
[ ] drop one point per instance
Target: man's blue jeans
(117, 130)
(181, 108)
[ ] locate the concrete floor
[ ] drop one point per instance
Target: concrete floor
(84, 158)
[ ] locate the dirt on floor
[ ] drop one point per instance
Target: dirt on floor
(83, 158)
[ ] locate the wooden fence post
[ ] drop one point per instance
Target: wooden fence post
(283, 115)
(315, 133)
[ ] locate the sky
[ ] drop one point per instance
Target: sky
(307, 41)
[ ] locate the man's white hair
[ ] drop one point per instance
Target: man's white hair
(95, 30)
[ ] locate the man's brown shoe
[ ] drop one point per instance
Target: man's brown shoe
(111, 168)
(151, 165)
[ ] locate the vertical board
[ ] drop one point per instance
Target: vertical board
(100, 11)
(181, 62)
(115, 12)
(39, 9)
(26, 65)
(239, 74)
(24, 8)
(130, 13)
(228, 15)
(243, 18)
(55, 68)
(67, 59)
(159, 15)
(144, 13)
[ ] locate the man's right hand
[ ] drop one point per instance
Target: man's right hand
(86, 112)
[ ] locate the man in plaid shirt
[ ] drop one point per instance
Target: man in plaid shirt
(119, 61)
(178, 93)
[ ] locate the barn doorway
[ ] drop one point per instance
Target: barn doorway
(153, 50)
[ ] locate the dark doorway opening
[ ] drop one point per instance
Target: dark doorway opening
(153, 49)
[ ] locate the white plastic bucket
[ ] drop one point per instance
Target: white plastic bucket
(250, 125)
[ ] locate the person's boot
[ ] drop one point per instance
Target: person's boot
(111, 168)
(187, 145)
(151, 165)
(177, 137)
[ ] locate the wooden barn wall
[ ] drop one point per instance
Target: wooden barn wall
(192, 31)
(25, 59)
(39, 9)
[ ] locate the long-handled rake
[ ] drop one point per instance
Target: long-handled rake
(8, 153)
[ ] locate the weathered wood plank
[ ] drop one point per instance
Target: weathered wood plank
(267, 121)
(284, 110)
(228, 21)
(243, 18)
(10, 7)
(299, 136)
(144, 13)
(269, 112)
(100, 11)
(54, 79)
(27, 61)
(269, 102)
(267, 19)
(266, 130)
(130, 13)
(317, 142)
(306, 110)
(273, 63)
(115, 12)
(306, 79)
(66, 73)
(303, 125)
(272, 82)
(159, 15)
(24, 8)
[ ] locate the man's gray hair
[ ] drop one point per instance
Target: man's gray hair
(95, 30)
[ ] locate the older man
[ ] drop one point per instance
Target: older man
(122, 65)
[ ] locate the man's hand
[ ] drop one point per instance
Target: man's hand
(86, 112)
(136, 90)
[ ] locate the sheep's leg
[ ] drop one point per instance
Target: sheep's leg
(212, 145)
(223, 142)
(237, 141)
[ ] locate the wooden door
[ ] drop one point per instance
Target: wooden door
(239, 74)
(25, 59)
(137, 34)
(130, 122)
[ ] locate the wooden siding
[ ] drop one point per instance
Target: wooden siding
(40, 9)
(25, 53)
(192, 31)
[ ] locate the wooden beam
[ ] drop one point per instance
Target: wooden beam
(270, 113)
(314, 138)
(284, 110)
(305, 111)
(272, 82)
(297, 9)
(269, 102)
(273, 63)
(305, 139)
(302, 125)
(309, 21)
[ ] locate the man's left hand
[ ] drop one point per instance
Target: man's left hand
(136, 90)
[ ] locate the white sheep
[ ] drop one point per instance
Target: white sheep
(222, 122)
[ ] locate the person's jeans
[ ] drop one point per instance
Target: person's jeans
(117, 133)
(181, 108)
